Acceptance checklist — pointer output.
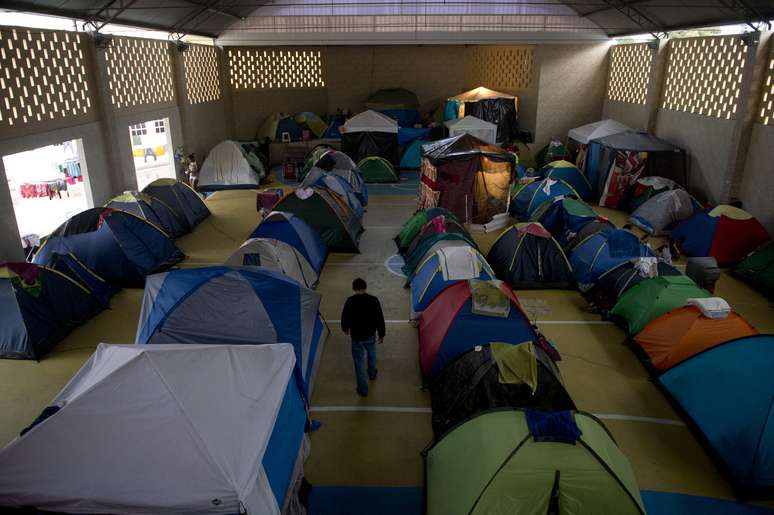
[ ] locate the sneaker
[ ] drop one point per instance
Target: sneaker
(361, 393)
(373, 377)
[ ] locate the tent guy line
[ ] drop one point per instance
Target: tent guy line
(416, 409)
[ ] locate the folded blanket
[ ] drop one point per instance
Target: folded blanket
(488, 299)
(458, 263)
(712, 307)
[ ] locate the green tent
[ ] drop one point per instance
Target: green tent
(312, 157)
(653, 297)
(501, 462)
(377, 169)
(414, 224)
(328, 214)
(757, 269)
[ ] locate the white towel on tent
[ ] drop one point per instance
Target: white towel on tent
(712, 307)
(646, 266)
(458, 263)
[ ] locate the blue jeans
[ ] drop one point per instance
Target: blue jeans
(358, 349)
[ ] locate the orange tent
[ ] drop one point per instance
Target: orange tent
(681, 333)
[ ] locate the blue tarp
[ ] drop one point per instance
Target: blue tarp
(408, 134)
(404, 117)
(412, 155)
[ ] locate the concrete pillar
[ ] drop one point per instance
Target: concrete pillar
(656, 81)
(746, 112)
(10, 241)
(228, 93)
(118, 179)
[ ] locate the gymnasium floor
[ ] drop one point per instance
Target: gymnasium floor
(377, 441)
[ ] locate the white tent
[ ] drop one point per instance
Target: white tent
(275, 255)
(371, 121)
(591, 131)
(480, 93)
(477, 127)
(163, 429)
(226, 166)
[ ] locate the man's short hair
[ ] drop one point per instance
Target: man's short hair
(359, 284)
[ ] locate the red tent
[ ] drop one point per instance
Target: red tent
(449, 327)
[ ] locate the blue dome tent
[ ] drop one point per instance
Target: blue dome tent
(602, 252)
(441, 270)
(38, 307)
(530, 197)
(118, 246)
(726, 391)
(151, 209)
(569, 173)
(233, 305)
(291, 229)
(181, 198)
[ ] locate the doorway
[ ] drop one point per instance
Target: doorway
(48, 185)
(152, 151)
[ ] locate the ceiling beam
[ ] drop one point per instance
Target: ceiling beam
(86, 15)
(746, 12)
(109, 12)
(638, 17)
(609, 7)
(217, 10)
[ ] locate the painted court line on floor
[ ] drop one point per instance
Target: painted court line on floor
(412, 409)
(540, 322)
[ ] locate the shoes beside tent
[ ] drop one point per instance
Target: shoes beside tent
(725, 391)
(151, 209)
(339, 164)
(275, 255)
(371, 134)
(466, 176)
(118, 246)
(684, 332)
(653, 297)
(757, 269)
(230, 166)
(528, 198)
(468, 314)
(328, 214)
(222, 305)
(496, 376)
(564, 217)
(658, 215)
(39, 306)
(522, 462)
(483, 130)
(526, 256)
(446, 266)
(181, 198)
(377, 169)
(140, 429)
(604, 251)
(724, 232)
(294, 231)
(569, 174)
(491, 106)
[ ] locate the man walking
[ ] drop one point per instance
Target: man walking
(363, 321)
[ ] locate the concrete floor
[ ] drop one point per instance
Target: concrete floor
(377, 441)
